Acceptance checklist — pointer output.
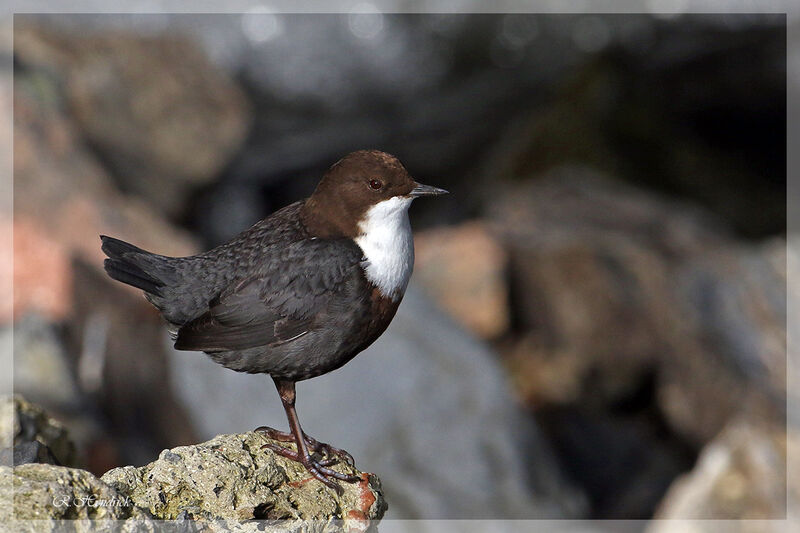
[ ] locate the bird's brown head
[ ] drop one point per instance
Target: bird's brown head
(354, 185)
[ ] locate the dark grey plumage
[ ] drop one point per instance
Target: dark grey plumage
(260, 301)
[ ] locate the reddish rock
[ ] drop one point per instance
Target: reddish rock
(42, 273)
(463, 269)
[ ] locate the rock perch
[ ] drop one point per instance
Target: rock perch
(227, 483)
(230, 477)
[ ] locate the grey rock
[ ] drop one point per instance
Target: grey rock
(24, 423)
(426, 407)
(231, 478)
(42, 373)
(27, 452)
(729, 358)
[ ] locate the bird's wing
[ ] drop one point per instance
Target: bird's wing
(278, 302)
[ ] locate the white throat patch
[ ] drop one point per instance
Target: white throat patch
(387, 244)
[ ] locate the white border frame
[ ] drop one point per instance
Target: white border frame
(790, 8)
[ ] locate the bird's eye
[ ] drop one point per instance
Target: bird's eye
(375, 184)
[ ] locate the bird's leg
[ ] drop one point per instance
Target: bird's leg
(286, 390)
(313, 445)
(322, 448)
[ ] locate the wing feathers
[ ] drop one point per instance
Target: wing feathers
(276, 305)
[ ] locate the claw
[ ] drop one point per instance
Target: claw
(318, 469)
(331, 452)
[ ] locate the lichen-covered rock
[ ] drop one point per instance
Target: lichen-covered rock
(228, 483)
(231, 478)
(47, 493)
(22, 422)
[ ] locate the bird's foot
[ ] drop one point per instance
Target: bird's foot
(318, 469)
(332, 453)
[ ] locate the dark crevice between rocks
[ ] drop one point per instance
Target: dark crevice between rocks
(263, 511)
(623, 455)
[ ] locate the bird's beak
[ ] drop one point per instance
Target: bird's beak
(425, 190)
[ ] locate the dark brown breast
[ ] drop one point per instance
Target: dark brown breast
(383, 310)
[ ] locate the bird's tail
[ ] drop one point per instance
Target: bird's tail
(134, 266)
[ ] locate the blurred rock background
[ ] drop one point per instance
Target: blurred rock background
(596, 326)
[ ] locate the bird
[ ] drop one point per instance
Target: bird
(298, 294)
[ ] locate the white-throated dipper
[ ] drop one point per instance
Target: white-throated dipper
(298, 294)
